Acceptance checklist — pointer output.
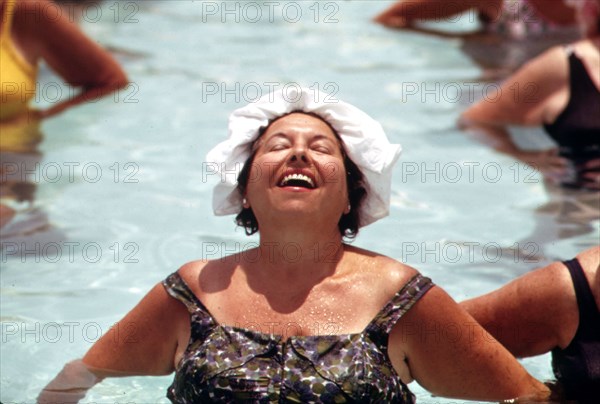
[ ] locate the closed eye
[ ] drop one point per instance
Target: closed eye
(277, 144)
(322, 150)
(278, 147)
(322, 146)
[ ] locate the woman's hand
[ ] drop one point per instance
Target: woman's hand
(25, 118)
(591, 175)
(70, 385)
(548, 162)
(392, 21)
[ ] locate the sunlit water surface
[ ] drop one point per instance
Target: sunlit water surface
(133, 199)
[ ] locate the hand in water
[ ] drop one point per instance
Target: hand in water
(554, 168)
(392, 22)
(70, 385)
(591, 175)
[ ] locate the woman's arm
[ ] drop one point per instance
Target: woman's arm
(533, 95)
(537, 311)
(451, 355)
(144, 342)
(548, 162)
(529, 314)
(555, 12)
(404, 13)
(70, 385)
(77, 59)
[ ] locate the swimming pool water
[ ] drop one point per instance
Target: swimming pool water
(123, 199)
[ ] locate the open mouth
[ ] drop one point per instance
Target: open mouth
(297, 180)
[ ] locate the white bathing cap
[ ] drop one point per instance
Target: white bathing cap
(364, 140)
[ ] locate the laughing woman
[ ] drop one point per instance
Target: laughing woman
(305, 317)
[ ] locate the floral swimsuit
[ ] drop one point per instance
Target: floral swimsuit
(227, 364)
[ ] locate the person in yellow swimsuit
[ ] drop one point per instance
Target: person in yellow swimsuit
(30, 31)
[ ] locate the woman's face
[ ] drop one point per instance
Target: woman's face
(298, 170)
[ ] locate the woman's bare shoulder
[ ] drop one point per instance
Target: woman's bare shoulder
(590, 262)
(192, 268)
(207, 276)
(555, 277)
(552, 63)
(590, 259)
(391, 274)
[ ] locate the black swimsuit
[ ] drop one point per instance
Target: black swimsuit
(577, 128)
(577, 367)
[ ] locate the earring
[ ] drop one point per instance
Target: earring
(348, 209)
(244, 202)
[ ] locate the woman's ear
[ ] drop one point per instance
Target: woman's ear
(348, 209)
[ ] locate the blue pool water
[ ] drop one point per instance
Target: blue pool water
(122, 197)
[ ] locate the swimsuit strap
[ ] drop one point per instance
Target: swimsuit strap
(178, 289)
(588, 311)
(7, 17)
(569, 49)
(399, 304)
(579, 77)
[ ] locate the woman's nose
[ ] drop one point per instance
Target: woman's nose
(299, 156)
(299, 153)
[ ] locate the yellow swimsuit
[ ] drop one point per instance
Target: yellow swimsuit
(18, 85)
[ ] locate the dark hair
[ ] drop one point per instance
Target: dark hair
(349, 223)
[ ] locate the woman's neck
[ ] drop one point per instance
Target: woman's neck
(291, 245)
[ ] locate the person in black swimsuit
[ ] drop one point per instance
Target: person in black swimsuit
(576, 129)
(553, 309)
(560, 90)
